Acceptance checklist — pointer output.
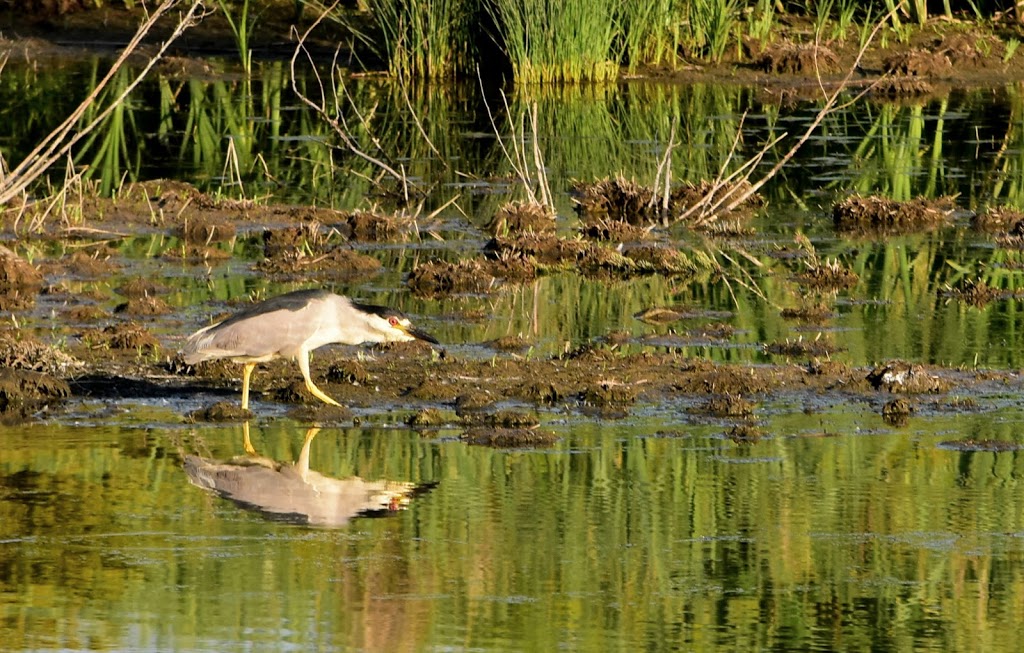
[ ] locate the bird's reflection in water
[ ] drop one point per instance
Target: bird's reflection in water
(292, 492)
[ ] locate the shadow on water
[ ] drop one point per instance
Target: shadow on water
(293, 493)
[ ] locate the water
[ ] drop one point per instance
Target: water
(832, 531)
(625, 535)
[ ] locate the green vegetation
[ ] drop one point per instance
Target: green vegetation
(586, 41)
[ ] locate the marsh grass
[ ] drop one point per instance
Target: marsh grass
(711, 26)
(549, 43)
(423, 39)
(241, 27)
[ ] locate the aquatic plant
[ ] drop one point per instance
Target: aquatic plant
(424, 39)
(548, 42)
(241, 27)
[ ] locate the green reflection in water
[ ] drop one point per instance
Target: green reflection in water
(651, 532)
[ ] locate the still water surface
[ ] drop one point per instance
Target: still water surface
(831, 532)
(648, 533)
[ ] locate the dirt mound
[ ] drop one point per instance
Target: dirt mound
(438, 278)
(627, 201)
(918, 62)
(798, 58)
(205, 232)
(522, 217)
(15, 272)
(121, 336)
(900, 377)
(370, 227)
(21, 353)
(23, 392)
(881, 215)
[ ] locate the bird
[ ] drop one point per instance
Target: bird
(291, 326)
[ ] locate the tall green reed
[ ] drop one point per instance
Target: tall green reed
(241, 27)
(424, 40)
(549, 43)
(649, 32)
(711, 25)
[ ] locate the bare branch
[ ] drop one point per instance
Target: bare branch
(59, 142)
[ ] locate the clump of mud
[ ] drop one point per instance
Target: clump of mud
(798, 58)
(222, 411)
(472, 400)
(129, 336)
(16, 273)
(902, 87)
(86, 313)
(608, 393)
(542, 249)
(663, 314)
(348, 371)
(508, 419)
(704, 377)
(545, 392)
(826, 275)
(368, 226)
(337, 263)
(426, 418)
(304, 237)
(997, 219)
(725, 405)
(614, 231)
(801, 347)
(1014, 238)
(83, 264)
(24, 392)
(23, 353)
(975, 292)
(968, 49)
(295, 392)
(627, 201)
(506, 438)
(881, 215)
(745, 433)
(815, 313)
(508, 343)
(897, 412)
(900, 377)
(522, 217)
(436, 278)
(917, 62)
(143, 306)
(200, 231)
(141, 287)
(663, 260)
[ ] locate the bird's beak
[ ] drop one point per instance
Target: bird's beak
(419, 334)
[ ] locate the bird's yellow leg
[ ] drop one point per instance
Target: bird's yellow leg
(246, 442)
(247, 369)
(316, 392)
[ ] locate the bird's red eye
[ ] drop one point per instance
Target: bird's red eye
(393, 321)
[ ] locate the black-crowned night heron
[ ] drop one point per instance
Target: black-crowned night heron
(291, 326)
